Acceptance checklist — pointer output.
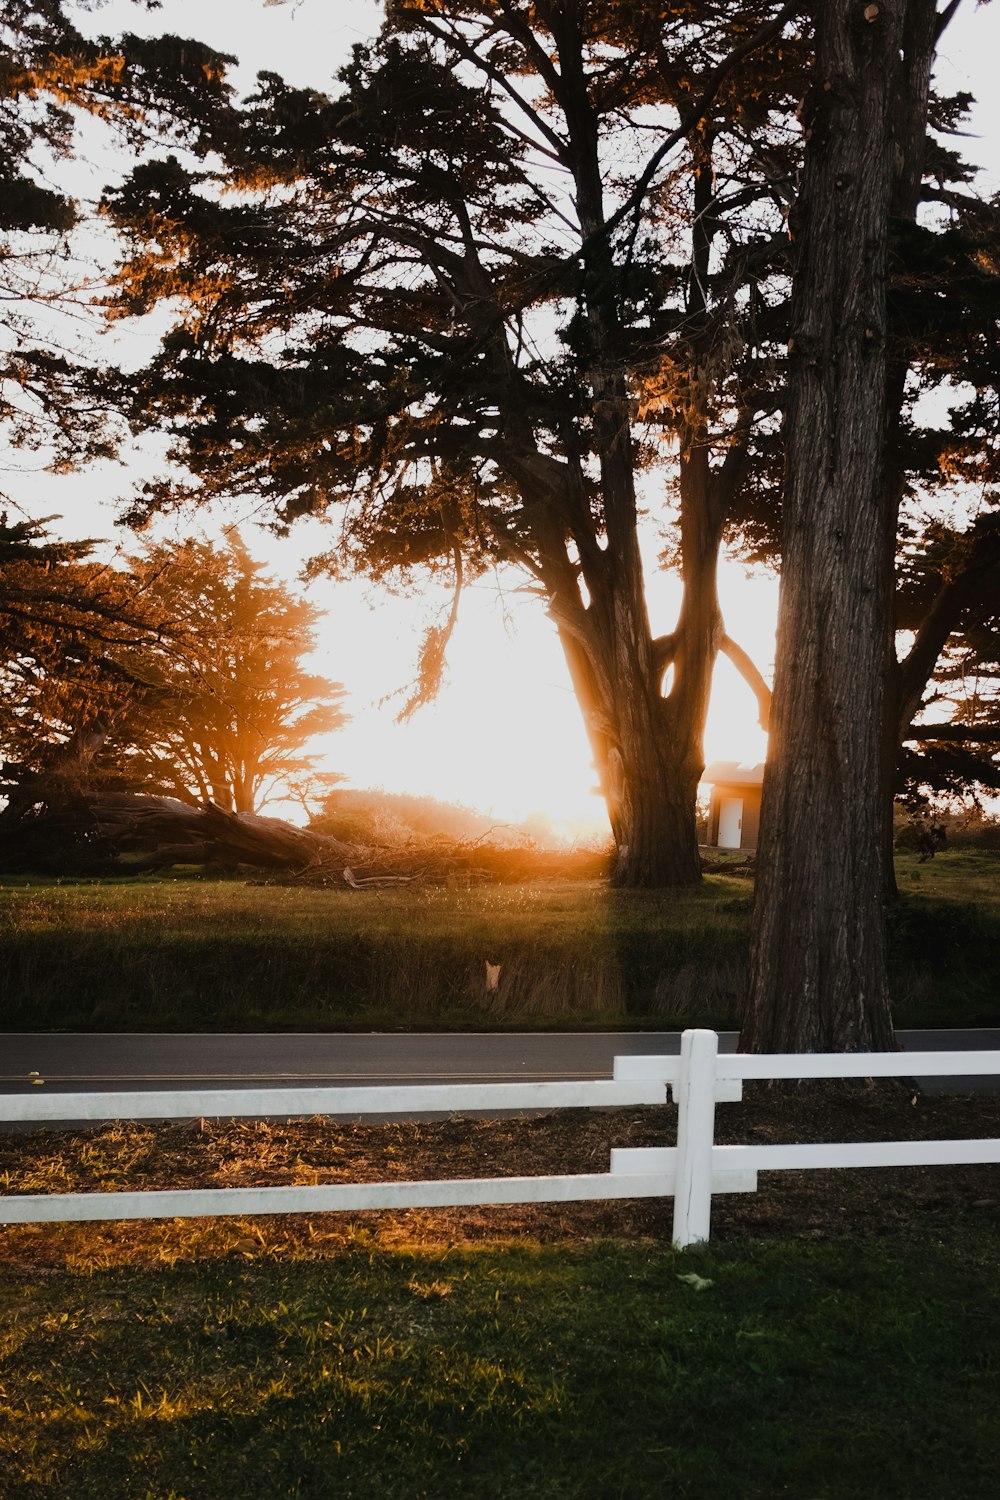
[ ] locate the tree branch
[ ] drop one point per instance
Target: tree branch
(695, 114)
(452, 37)
(981, 570)
(954, 733)
(751, 676)
(945, 18)
(431, 660)
(663, 648)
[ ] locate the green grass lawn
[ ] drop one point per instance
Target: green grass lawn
(187, 954)
(839, 1340)
(836, 1370)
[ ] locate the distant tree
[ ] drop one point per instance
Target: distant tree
(72, 635)
(230, 709)
(182, 676)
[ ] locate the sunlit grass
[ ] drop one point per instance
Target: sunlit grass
(964, 875)
(187, 954)
(232, 956)
(835, 1370)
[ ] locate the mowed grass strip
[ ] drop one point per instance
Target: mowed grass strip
(202, 955)
(828, 1371)
(192, 955)
(839, 1337)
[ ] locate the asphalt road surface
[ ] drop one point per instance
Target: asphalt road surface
(106, 1062)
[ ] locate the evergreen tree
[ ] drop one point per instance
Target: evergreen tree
(230, 709)
(462, 300)
(182, 676)
(818, 963)
(70, 630)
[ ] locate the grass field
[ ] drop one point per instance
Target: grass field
(838, 1340)
(187, 954)
(832, 1370)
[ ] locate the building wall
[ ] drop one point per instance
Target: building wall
(751, 813)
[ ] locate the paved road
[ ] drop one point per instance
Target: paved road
(78, 1061)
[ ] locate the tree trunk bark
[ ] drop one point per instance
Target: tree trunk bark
(818, 976)
(648, 781)
(919, 40)
(651, 802)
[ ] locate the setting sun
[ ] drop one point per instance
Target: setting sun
(505, 732)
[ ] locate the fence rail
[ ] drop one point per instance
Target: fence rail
(692, 1172)
(737, 1066)
(381, 1099)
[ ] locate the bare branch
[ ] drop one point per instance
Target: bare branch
(954, 733)
(751, 676)
(980, 572)
(433, 649)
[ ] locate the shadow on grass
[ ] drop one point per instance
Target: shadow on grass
(573, 1372)
(184, 955)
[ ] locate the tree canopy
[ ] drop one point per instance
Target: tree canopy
(463, 308)
(52, 77)
(230, 711)
(182, 676)
(456, 302)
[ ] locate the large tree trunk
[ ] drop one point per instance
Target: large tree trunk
(648, 742)
(818, 962)
(648, 782)
(920, 30)
(651, 800)
(647, 749)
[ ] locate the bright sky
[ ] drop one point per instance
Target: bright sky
(505, 733)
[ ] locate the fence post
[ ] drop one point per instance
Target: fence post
(695, 1137)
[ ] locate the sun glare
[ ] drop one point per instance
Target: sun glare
(505, 734)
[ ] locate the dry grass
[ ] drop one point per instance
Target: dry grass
(116, 1157)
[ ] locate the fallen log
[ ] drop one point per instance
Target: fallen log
(133, 831)
(102, 832)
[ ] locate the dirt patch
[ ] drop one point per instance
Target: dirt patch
(817, 1204)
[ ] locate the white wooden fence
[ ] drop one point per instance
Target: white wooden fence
(706, 1074)
(692, 1172)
